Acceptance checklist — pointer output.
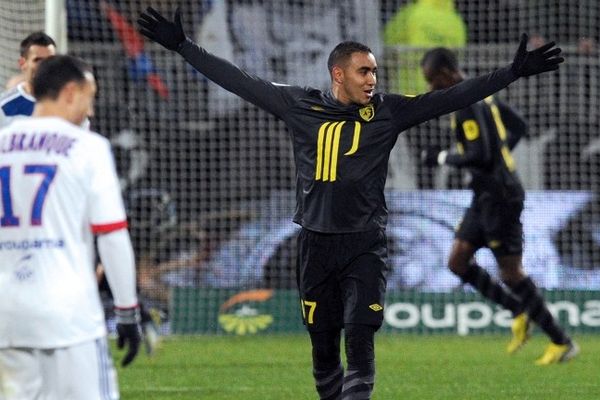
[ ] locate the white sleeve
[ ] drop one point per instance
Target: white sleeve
(105, 207)
(117, 258)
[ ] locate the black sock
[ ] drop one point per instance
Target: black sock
(492, 289)
(360, 354)
(327, 366)
(538, 311)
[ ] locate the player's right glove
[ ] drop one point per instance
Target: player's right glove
(158, 29)
(128, 332)
(542, 59)
(433, 156)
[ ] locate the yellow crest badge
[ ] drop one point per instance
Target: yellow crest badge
(367, 113)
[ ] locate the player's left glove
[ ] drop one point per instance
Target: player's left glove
(158, 29)
(433, 156)
(128, 332)
(542, 59)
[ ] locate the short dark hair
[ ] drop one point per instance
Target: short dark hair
(36, 38)
(55, 72)
(440, 57)
(342, 52)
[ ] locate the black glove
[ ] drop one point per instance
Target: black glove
(542, 59)
(429, 156)
(128, 332)
(156, 28)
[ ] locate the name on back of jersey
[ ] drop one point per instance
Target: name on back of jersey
(51, 143)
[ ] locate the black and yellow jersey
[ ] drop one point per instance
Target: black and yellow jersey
(341, 151)
(486, 132)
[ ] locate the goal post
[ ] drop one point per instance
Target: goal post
(56, 23)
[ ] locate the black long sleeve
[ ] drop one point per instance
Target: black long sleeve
(271, 97)
(410, 111)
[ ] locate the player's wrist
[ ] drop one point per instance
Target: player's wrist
(129, 315)
(183, 44)
(441, 158)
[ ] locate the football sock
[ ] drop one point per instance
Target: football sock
(538, 311)
(327, 366)
(360, 354)
(491, 289)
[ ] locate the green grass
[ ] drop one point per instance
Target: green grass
(408, 367)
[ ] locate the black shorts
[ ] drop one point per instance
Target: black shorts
(493, 223)
(341, 278)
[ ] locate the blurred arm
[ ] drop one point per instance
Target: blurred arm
(117, 258)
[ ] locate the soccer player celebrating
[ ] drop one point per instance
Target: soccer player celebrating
(486, 132)
(19, 100)
(342, 140)
(59, 188)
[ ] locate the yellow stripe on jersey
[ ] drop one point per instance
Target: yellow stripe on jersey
(355, 139)
(508, 159)
(334, 153)
(327, 158)
(320, 137)
(498, 121)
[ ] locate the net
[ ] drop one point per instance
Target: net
(17, 20)
(208, 179)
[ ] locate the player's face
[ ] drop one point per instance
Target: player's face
(32, 59)
(438, 79)
(82, 100)
(358, 79)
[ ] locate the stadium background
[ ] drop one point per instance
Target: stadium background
(208, 179)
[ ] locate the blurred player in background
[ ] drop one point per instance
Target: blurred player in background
(486, 132)
(342, 140)
(59, 189)
(19, 100)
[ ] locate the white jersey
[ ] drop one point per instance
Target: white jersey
(58, 187)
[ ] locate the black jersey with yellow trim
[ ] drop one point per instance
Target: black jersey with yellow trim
(486, 132)
(341, 151)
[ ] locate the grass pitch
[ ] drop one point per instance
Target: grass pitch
(278, 367)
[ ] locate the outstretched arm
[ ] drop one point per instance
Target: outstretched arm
(271, 97)
(411, 111)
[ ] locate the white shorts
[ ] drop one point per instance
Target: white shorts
(81, 372)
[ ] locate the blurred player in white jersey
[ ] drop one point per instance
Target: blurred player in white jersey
(59, 188)
(18, 100)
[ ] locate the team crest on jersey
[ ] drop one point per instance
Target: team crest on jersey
(367, 113)
(23, 271)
